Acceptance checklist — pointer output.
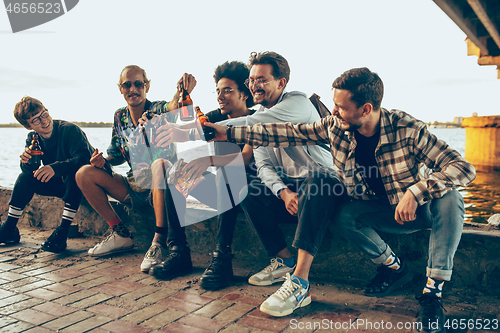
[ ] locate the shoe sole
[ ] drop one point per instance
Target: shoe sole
(125, 249)
(171, 275)
(398, 284)
(266, 283)
(210, 285)
(48, 249)
(146, 270)
(302, 304)
(11, 242)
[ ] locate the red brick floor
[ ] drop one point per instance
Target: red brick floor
(42, 292)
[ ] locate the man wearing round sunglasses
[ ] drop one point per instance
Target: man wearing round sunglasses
(65, 149)
(97, 180)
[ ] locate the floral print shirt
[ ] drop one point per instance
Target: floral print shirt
(135, 144)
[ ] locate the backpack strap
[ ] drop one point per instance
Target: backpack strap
(320, 107)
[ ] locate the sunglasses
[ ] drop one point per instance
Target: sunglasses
(138, 84)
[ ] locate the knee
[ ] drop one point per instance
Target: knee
(450, 202)
(319, 184)
(84, 175)
(345, 218)
(160, 165)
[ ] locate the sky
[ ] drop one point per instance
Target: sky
(72, 64)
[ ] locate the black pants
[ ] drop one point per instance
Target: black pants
(227, 219)
(205, 192)
(26, 186)
(319, 195)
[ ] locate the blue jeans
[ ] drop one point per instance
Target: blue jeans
(360, 220)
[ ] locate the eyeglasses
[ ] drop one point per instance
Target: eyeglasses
(38, 120)
(138, 84)
(258, 82)
(224, 91)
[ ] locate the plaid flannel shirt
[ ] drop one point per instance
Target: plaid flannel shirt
(405, 145)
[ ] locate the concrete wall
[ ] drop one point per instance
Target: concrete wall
(477, 263)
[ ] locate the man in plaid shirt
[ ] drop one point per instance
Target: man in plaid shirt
(379, 153)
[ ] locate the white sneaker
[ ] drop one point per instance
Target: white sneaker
(153, 257)
(273, 273)
(289, 297)
(112, 244)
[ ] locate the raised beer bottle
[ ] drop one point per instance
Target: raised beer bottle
(36, 151)
(208, 132)
(185, 106)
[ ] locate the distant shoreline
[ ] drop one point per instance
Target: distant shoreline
(79, 123)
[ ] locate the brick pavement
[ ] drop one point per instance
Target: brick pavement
(71, 292)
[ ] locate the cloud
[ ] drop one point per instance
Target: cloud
(12, 80)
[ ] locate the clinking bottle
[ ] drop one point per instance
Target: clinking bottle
(36, 151)
(208, 132)
(185, 106)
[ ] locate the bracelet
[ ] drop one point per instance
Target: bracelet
(192, 134)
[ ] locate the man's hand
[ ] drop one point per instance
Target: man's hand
(44, 174)
(291, 200)
(97, 160)
(196, 167)
(220, 131)
(145, 117)
(170, 133)
(406, 208)
(188, 81)
(26, 156)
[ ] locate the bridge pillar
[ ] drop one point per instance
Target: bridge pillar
(482, 142)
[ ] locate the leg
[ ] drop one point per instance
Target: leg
(319, 196)
(72, 197)
(359, 221)
(96, 185)
(220, 271)
(178, 260)
(155, 253)
(265, 211)
(445, 216)
(25, 187)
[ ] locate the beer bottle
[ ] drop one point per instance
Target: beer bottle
(36, 151)
(185, 106)
(208, 132)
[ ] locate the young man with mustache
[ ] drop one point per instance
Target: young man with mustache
(97, 181)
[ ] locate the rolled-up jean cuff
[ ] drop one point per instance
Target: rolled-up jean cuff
(383, 257)
(311, 249)
(441, 274)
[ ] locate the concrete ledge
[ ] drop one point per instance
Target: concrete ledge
(477, 263)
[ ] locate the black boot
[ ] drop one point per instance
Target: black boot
(9, 235)
(220, 271)
(388, 280)
(431, 313)
(177, 262)
(57, 241)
